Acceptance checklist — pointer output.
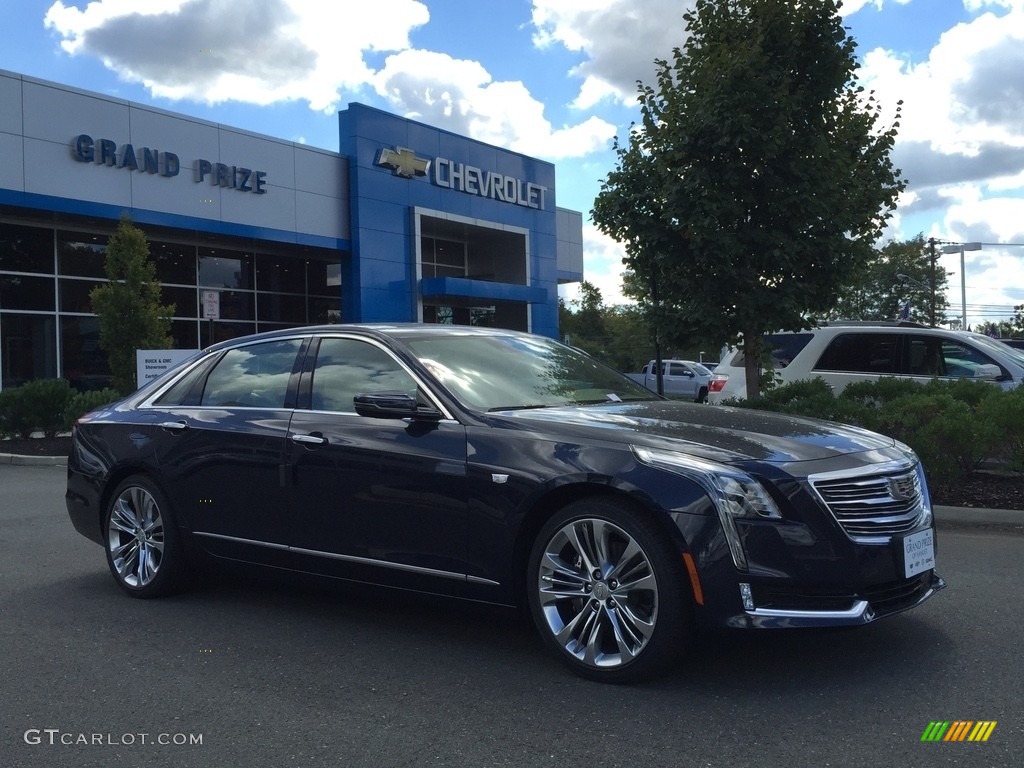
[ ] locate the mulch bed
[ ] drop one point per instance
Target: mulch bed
(981, 490)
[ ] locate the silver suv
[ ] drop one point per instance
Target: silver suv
(844, 353)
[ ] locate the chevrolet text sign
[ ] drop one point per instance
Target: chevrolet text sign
(469, 179)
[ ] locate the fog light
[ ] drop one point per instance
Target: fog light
(747, 596)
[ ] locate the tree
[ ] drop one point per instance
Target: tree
(128, 306)
(898, 275)
(757, 182)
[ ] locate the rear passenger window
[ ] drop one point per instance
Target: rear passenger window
(254, 376)
(785, 347)
(924, 356)
(861, 353)
(349, 367)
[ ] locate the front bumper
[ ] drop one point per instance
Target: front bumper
(817, 608)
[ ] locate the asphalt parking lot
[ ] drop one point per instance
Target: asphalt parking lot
(265, 674)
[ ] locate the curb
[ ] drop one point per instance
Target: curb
(33, 461)
(975, 517)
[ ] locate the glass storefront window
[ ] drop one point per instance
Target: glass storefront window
(324, 311)
(74, 295)
(280, 274)
(324, 278)
(221, 268)
(236, 305)
(185, 334)
(23, 292)
(279, 308)
(26, 249)
(81, 254)
(223, 331)
(28, 348)
(174, 263)
(85, 364)
(185, 300)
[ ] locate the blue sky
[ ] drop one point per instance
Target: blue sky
(556, 79)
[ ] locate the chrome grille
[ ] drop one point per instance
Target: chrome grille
(873, 505)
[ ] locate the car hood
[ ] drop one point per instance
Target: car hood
(718, 433)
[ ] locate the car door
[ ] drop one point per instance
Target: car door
(377, 499)
(221, 451)
(680, 381)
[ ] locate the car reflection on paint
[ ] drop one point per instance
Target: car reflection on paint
(502, 467)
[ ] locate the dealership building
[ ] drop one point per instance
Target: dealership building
(405, 223)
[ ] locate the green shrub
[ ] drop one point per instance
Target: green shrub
(83, 402)
(953, 426)
(946, 433)
(12, 414)
(812, 397)
(36, 406)
(1005, 411)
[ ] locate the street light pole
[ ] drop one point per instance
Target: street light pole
(963, 276)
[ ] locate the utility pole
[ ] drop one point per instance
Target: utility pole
(931, 280)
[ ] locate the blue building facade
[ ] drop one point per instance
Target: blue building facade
(447, 228)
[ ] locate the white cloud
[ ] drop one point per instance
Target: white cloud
(603, 258)
(267, 51)
(970, 91)
(461, 96)
(258, 51)
(620, 39)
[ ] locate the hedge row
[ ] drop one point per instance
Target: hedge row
(955, 427)
(49, 406)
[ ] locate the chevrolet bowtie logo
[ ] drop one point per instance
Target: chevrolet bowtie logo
(403, 162)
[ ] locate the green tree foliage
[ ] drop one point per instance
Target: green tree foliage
(757, 182)
(130, 314)
(900, 271)
(616, 335)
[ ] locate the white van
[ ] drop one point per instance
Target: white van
(843, 353)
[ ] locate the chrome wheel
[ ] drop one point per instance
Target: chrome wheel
(135, 537)
(597, 592)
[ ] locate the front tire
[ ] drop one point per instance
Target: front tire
(607, 591)
(143, 546)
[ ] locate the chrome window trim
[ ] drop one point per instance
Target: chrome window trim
(434, 400)
(412, 374)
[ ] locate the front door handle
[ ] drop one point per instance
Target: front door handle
(309, 439)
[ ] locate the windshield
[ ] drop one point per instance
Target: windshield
(994, 345)
(495, 373)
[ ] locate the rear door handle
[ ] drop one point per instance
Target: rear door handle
(309, 439)
(174, 426)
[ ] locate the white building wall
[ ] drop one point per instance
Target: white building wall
(306, 189)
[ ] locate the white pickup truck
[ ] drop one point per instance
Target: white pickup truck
(681, 378)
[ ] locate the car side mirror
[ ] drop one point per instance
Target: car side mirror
(393, 405)
(988, 372)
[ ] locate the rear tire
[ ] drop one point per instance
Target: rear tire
(702, 396)
(608, 593)
(141, 538)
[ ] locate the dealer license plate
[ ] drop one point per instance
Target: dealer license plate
(918, 552)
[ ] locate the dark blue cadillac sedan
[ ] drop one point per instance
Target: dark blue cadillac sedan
(500, 466)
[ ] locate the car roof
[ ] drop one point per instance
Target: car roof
(392, 330)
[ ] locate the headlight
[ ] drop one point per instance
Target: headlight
(734, 493)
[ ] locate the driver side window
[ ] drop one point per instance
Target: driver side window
(349, 367)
